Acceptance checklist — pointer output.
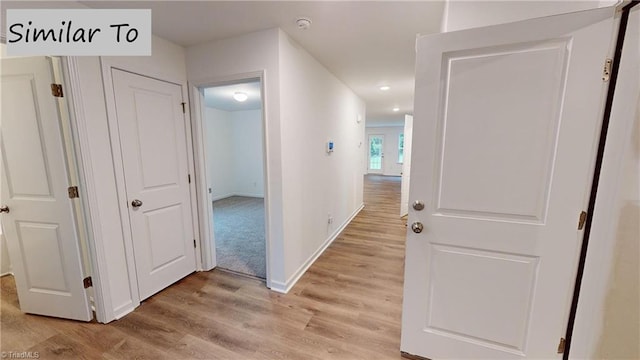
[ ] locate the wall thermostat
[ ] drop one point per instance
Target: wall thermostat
(329, 146)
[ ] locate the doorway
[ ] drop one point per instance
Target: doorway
(234, 137)
(376, 154)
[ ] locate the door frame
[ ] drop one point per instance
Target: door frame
(205, 213)
(369, 136)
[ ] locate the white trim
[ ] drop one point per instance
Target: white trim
(87, 185)
(293, 279)
(7, 273)
(220, 197)
(198, 133)
(116, 151)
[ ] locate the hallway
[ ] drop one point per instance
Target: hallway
(347, 306)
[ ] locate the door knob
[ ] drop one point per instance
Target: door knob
(4, 209)
(417, 227)
(136, 203)
(418, 205)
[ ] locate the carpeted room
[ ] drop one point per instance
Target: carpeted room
(234, 132)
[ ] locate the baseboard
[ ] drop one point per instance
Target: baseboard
(220, 197)
(261, 196)
(6, 273)
(284, 288)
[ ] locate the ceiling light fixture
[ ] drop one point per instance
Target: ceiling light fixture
(396, 109)
(385, 87)
(240, 96)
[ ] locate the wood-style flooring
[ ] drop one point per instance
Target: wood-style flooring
(347, 306)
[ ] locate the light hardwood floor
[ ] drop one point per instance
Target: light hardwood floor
(347, 306)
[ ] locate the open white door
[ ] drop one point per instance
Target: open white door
(406, 165)
(153, 140)
(505, 137)
(38, 218)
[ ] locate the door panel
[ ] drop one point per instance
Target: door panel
(40, 227)
(154, 147)
(505, 135)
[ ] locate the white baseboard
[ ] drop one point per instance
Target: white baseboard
(283, 288)
(220, 197)
(6, 273)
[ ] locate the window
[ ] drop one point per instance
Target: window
(400, 148)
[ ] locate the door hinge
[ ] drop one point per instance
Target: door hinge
(582, 220)
(189, 178)
(561, 345)
(56, 90)
(73, 192)
(194, 243)
(87, 282)
(606, 71)
(184, 110)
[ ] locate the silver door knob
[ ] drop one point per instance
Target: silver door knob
(417, 227)
(418, 205)
(136, 203)
(4, 209)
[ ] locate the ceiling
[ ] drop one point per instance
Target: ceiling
(366, 44)
(221, 97)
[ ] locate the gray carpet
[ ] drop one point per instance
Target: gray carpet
(238, 224)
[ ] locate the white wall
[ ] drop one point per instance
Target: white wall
(460, 15)
(391, 166)
(620, 333)
(248, 162)
(234, 153)
(5, 263)
(113, 252)
(219, 153)
(316, 107)
(224, 59)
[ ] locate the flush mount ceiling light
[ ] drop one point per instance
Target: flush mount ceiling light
(303, 23)
(240, 96)
(385, 87)
(396, 109)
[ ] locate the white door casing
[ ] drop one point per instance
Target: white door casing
(153, 140)
(406, 165)
(40, 227)
(507, 120)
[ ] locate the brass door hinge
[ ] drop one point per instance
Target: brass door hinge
(606, 71)
(73, 192)
(582, 220)
(56, 90)
(87, 282)
(561, 345)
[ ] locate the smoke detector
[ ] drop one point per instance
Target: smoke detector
(303, 23)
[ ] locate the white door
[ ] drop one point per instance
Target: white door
(153, 140)
(406, 165)
(506, 129)
(376, 154)
(39, 226)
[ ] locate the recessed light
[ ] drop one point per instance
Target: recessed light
(385, 87)
(240, 96)
(396, 109)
